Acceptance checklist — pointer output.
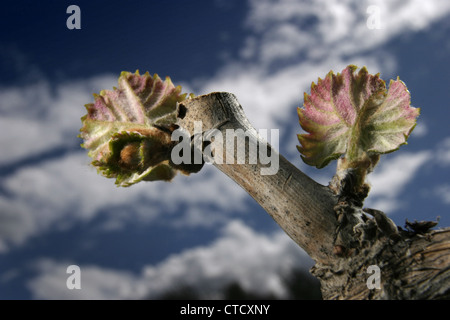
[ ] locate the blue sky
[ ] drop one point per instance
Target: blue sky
(201, 231)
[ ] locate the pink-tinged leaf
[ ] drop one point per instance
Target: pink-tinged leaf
(354, 115)
(127, 130)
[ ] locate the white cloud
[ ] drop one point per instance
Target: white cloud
(420, 130)
(390, 178)
(284, 41)
(257, 262)
(96, 282)
(65, 190)
(443, 192)
(443, 152)
(333, 27)
(34, 120)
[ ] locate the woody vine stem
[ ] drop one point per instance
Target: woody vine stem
(350, 117)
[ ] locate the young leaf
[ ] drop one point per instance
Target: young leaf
(127, 130)
(355, 116)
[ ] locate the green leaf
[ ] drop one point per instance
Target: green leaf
(128, 130)
(355, 116)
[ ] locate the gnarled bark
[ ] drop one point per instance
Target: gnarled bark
(328, 223)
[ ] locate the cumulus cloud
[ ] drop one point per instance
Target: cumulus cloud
(315, 29)
(257, 262)
(37, 117)
(96, 282)
(66, 190)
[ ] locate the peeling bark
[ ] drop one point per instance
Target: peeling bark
(328, 222)
(415, 267)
